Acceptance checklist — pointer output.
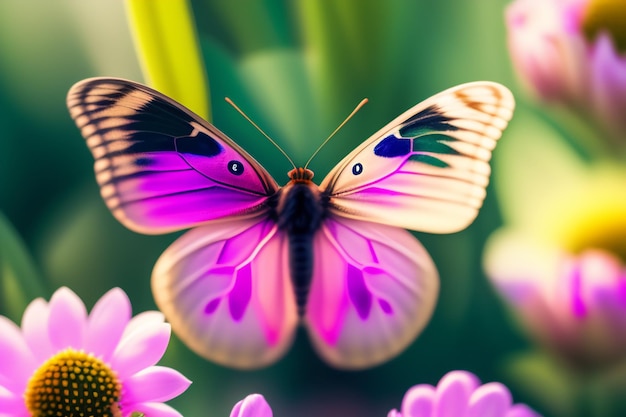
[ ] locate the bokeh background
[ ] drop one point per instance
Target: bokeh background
(297, 69)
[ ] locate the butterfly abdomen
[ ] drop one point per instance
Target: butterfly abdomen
(300, 215)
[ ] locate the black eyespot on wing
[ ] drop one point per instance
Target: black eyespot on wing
(357, 169)
(235, 167)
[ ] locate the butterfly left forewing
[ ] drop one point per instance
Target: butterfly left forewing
(160, 167)
(226, 291)
(373, 290)
(427, 170)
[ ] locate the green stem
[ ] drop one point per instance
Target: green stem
(167, 46)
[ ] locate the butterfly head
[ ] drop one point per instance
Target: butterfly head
(300, 175)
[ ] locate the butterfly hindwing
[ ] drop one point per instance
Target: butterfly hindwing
(226, 291)
(160, 167)
(427, 170)
(374, 289)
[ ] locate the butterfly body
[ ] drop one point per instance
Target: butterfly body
(300, 212)
(261, 259)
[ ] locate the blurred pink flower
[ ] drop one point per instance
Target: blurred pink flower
(254, 405)
(558, 261)
(65, 362)
(460, 394)
(559, 63)
(575, 305)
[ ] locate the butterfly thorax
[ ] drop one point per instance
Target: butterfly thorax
(303, 175)
(300, 211)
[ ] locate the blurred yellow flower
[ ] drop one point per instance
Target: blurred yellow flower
(560, 261)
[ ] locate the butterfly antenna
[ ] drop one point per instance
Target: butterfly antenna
(356, 109)
(229, 101)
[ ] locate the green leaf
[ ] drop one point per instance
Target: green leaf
(347, 46)
(531, 161)
(277, 84)
(547, 382)
(168, 49)
(20, 281)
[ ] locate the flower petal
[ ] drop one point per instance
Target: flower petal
(521, 410)
(155, 384)
(490, 400)
(107, 322)
(17, 360)
(609, 83)
(140, 349)
(453, 394)
(68, 320)
(12, 403)
(143, 320)
(254, 405)
(419, 401)
(35, 329)
(156, 410)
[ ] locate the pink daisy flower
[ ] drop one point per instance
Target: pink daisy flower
(63, 361)
(460, 394)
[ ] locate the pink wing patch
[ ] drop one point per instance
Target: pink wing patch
(225, 288)
(374, 289)
(160, 167)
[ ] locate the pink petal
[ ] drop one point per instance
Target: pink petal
(141, 349)
(154, 410)
(453, 394)
(394, 413)
(23, 413)
(107, 322)
(68, 320)
(12, 404)
(490, 400)
(155, 384)
(609, 83)
(35, 329)
(600, 274)
(521, 410)
(143, 320)
(16, 360)
(419, 401)
(254, 405)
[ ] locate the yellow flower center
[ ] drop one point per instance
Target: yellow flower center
(606, 16)
(589, 213)
(608, 233)
(73, 384)
(594, 224)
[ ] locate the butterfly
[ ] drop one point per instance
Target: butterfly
(260, 259)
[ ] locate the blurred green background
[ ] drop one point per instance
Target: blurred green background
(296, 68)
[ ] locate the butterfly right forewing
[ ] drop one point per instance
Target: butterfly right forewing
(428, 169)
